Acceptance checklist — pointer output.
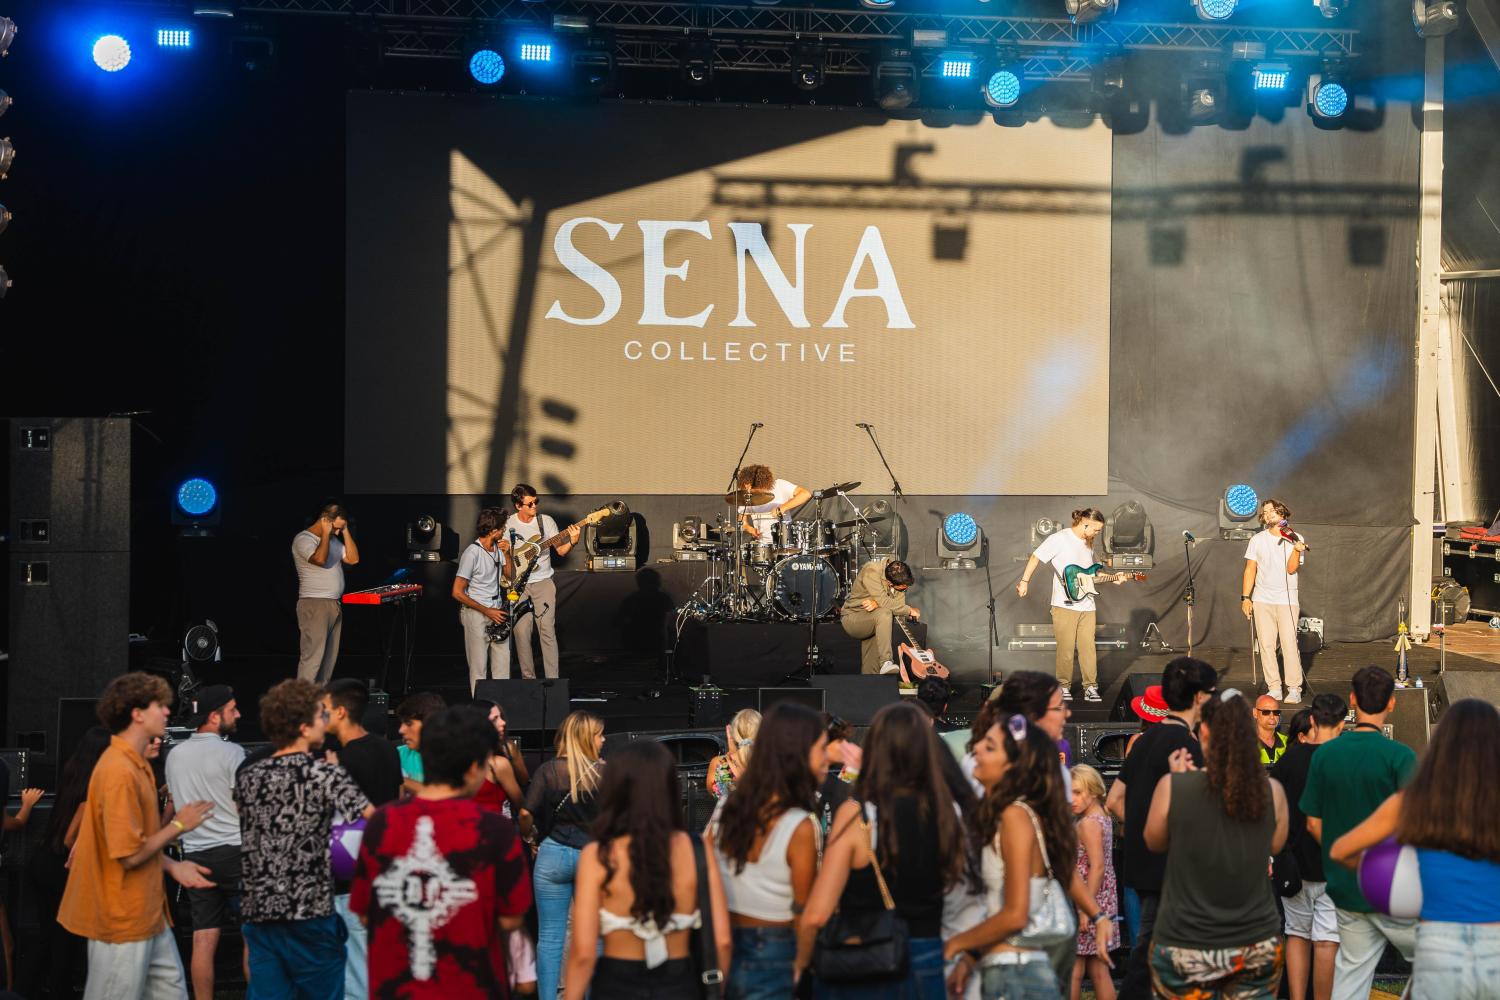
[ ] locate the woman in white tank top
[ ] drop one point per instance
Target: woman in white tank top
(767, 845)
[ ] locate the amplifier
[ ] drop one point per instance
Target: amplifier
(1101, 745)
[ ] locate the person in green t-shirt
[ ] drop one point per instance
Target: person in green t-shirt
(412, 712)
(1349, 778)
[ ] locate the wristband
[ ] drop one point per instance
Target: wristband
(1101, 915)
(180, 828)
(1244, 597)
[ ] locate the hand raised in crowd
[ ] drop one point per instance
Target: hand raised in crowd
(192, 815)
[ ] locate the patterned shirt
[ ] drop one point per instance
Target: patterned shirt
(287, 808)
(433, 879)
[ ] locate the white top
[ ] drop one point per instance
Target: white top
(541, 528)
(653, 937)
(481, 568)
(761, 516)
(203, 768)
(318, 581)
(1060, 550)
(764, 889)
(1273, 584)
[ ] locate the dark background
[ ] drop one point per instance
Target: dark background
(179, 250)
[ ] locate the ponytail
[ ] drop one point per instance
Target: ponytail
(1087, 514)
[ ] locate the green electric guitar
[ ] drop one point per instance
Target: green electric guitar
(1082, 581)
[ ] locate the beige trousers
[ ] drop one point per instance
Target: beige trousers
(873, 630)
(320, 620)
(487, 660)
(1075, 633)
(1277, 624)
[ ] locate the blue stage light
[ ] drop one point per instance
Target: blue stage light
(1330, 99)
(111, 53)
(486, 67)
(1003, 89)
(197, 497)
(174, 38)
(1270, 76)
(1241, 500)
(1215, 10)
(956, 68)
(536, 52)
(961, 529)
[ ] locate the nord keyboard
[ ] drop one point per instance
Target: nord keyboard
(388, 594)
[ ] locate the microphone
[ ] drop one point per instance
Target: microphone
(1188, 535)
(1286, 532)
(757, 425)
(863, 426)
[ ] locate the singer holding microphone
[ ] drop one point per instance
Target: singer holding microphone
(1269, 597)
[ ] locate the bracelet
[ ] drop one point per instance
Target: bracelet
(180, 828)
(1244, 597)
(1101, 915)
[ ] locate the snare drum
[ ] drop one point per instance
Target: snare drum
(789, 587)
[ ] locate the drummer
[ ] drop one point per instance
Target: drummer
(785, 498)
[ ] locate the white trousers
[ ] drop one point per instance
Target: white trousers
(136, 970)
(1362, 938)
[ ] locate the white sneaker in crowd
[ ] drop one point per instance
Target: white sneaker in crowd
(889, 668)
(1067, 693)
(1091, 693)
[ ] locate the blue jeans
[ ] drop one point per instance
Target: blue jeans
(552, 880)
(762, 965)
(296, 958)
(1130, 912)
(923, 981)
(356, 952)
(1032, 981)
(1456, 961)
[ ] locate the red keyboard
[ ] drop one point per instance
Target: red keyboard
(385, 595)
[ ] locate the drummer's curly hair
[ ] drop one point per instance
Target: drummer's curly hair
(757, 477)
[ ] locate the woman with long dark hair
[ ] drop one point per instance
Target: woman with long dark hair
(637, 888)
(1218, 932)
(767, 842)
(1449, 814)
(1025, 823)
(902, 815)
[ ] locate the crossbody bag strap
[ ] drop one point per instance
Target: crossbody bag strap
(885, 893)
(1040, 840)
(709, 972)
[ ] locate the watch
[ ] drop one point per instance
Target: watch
(1244, 597)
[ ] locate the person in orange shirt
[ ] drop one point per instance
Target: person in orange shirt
(115, 896)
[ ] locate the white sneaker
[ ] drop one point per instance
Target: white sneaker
(889, 668)
(1091, 693)
(1293, 696)
(1067, 694)
(1275, 693)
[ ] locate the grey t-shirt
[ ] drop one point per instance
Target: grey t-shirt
(203, 768)
(481, 568)
(318, 581)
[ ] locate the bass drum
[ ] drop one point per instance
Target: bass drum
(789, 587)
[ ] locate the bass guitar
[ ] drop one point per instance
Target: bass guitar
(924, 662)
(1082, 581)
(516, 605)
(525, 550)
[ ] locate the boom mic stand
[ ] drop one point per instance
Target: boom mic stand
(895, 486)
(804, 674)
(990, 586)
(1189, 593)
(730, 596)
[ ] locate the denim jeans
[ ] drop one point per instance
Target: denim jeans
(1456, 962)
(356, 952)
(923, 980)
(552, 880)
(762, 965)
(1130, 912)
(1032, 981)
(296, 958)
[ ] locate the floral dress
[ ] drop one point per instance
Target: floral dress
(1108, 892)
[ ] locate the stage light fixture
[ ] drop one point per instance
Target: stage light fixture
(486, 67)
(174, 38)
(7, 156)
(213, 8)
(929, 38)
(959, 541)
(594, 68)
(1432, 19)
(197, 497)
(612, 543)
(809, 62)
(878, 4)
(895, 81)
(111, 53)
(4, 282)
(1327, 97)
(428, 540)
(1270, 76)
(4, 218)
(1129, 537)
(5, 102)
(1201, 93)
(1214, 10)
(1330, 8)
(7, 35)
(535, 51)
(1003, 88)
(1042, 529)
(956, 66)
(1084, 11)
(1239, 509)
(698, 61)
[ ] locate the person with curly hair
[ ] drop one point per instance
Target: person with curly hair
(115, 896)
(785, 497)
(1218, 933)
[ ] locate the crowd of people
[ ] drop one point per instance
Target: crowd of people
(877, 868)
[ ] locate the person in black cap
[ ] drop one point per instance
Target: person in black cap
(203, 768)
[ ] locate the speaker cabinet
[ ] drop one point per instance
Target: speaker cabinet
(528, 704)
(856, 698)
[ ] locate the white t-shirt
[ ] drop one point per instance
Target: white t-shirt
(481, 568)
(1273, 584)
(541, 528)
(761, 516)
(318, 581)
(203, 768)
(1061, 550)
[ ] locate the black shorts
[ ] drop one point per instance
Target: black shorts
(218, 907)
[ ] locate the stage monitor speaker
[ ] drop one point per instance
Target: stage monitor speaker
(1134, 687)
(1458, 685)
(377, 713)
(857, 697)
(1100, 745)
(16, 760)
(528, 705)
(1411, 720)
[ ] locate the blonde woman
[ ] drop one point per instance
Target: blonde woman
(560, 799)
(724, 770)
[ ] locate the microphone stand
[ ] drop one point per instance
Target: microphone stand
(1190, 593)
(895, 486)
(994, 632)
(731, 593)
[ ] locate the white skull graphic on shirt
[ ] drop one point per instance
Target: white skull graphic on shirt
(423, 892)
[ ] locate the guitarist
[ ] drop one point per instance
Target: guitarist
(527, 524)
(477, 589)
(1072, 621)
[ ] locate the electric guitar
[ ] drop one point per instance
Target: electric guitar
(525, 550)
(516, 604)
(1082, 581)
(924, 661)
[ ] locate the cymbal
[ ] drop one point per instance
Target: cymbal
(860, 520)
(749, 498)
(831, 490)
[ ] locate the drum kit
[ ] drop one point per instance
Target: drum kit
(791, 569)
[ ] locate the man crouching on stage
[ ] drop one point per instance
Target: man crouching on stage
(878, 595)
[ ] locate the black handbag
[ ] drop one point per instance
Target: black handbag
(1286, 874)
(859, 947)
(704, 948)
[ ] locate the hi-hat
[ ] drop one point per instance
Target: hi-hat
(749, 498)
(860, 520)
(830, 491)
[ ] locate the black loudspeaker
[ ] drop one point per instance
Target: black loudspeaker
(1100, 745)
(1458, 685)
(535, 705)
(75, 716)
(377, 713)
(1412, 718)
(693, 750)
(1135, 685)
(856, 698)
(69, 579)
(16, 760)
(716, 706)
